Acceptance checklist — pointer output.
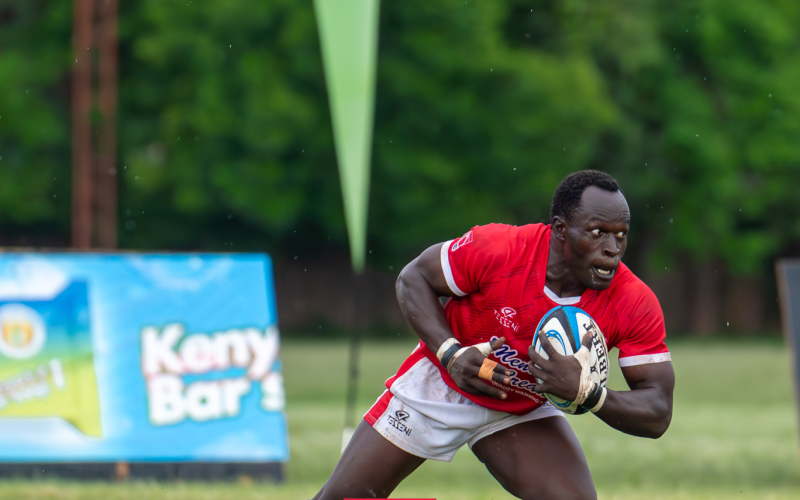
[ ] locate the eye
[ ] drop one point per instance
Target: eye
(621, 234)
(596, 232)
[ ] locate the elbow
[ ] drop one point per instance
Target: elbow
(657, 431)
(660, 425)
(401, 284)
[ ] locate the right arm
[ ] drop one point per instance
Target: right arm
(418, 288)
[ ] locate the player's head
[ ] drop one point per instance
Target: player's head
(590, 216)
(570, 190)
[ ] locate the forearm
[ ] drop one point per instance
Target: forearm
(644, 412)
(421, 307)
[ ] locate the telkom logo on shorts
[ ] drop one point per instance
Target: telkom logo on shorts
(505, 317)
(397, 421)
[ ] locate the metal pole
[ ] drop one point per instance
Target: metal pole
(81, 125)
(107, 68)
(355, 351)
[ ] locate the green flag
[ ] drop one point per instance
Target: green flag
(348, 31)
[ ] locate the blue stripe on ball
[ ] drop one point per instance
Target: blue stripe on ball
(571, 313)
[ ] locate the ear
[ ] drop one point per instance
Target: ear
(559, 227)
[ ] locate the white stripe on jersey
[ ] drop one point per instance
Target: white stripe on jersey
(562, 301)
(448, 273)
(644, 359)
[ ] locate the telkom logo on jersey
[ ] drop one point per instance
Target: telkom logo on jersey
(506, 318)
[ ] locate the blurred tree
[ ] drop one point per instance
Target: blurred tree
(34, 121)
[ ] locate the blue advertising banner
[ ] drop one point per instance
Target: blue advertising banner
(132, 357)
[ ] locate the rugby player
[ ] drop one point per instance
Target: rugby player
(501, 280)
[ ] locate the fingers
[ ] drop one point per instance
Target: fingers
(489, 390)
(587, 340)
(501, 375)
(541, 388)
(502, 369)
(546, 345)
(501, 378)
(535, 356)
(540, 374)
(497, 343)
(487, 369)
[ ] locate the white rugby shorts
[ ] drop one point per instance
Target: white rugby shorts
(420, 414)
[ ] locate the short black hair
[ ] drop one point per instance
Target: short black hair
(569, 191)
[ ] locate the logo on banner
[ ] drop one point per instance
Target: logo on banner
(22, 331)
(168, 355)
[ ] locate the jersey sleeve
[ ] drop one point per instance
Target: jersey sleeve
(643, 334)
(469, 261)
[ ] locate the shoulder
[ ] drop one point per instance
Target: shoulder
(631, 295)
(508, 234)
(495, 245)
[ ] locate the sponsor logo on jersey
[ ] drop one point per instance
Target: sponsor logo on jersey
(397, 421)
(506, 318)
(509, 357)
(464, 240)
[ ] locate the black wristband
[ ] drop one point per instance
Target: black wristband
(593, 398)
(448, 355)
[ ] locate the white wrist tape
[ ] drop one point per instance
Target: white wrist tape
(445, 346)
(586, 384)
(600, 403)
(484, 348)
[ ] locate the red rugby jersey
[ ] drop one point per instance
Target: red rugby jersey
(498, 273)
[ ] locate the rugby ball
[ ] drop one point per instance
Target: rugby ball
(565, 328)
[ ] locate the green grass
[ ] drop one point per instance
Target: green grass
(733, 435)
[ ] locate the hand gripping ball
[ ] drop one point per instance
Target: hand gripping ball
(565, 328)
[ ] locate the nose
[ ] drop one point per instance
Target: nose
(611, 247)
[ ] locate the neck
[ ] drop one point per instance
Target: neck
(560, 278)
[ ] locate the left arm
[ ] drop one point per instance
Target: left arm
(645, 410)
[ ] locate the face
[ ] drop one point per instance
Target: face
(596, 237)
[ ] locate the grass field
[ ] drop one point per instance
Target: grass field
(733, 435)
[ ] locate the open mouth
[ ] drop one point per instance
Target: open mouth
(604, 273)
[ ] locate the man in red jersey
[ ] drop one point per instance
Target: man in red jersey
(502, 280)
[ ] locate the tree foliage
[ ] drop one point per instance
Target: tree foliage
(481, 109)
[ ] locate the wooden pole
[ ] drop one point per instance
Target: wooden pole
(107, 67)
(81, 125)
